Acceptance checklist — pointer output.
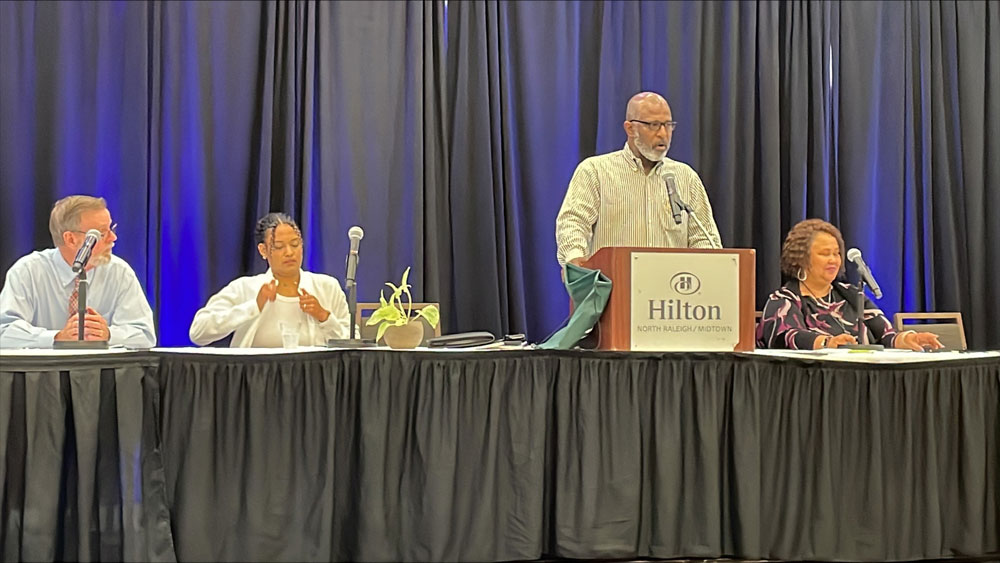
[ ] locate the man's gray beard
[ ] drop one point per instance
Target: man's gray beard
(648, 152)
(100, 259)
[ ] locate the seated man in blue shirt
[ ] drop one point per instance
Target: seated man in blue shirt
(38, 300)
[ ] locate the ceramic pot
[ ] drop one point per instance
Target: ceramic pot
(405, 336)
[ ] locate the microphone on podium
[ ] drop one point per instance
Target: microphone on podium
(677, 205)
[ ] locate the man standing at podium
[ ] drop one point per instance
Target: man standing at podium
(636, 196)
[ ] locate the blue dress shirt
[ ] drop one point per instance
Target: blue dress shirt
(34, 302)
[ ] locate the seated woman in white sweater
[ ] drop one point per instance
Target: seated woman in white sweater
(252, 307)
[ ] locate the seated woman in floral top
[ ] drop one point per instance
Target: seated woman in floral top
(813, 310)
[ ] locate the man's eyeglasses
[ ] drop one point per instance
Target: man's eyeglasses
(104, 234)
(654, 126)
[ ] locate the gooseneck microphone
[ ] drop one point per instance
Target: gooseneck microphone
(678, 205)
(83, 255)
(854, 255)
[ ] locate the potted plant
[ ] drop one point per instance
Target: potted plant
(399, 323)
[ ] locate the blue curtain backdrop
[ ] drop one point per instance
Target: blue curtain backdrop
(450, 140)
(195, 118)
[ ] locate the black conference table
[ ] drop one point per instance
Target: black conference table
(378, 455)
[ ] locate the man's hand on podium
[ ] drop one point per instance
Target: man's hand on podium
(576, 262)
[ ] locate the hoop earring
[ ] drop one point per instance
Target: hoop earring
(801, 275)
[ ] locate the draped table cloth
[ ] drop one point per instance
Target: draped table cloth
(216, 454)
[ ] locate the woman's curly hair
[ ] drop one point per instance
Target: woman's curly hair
(267, 224)
(798, 243)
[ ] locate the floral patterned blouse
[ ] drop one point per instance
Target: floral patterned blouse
(794, 321)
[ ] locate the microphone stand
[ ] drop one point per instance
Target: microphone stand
(352, 306)
(863, 343)
(81, 313)
(683, 204)
(353, 340)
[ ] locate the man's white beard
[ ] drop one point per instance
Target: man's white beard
(100, 259)
(648, 152)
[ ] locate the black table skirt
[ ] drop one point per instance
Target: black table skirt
(80, 462)
(417, 456)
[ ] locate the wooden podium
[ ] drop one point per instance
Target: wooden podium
(667, 280)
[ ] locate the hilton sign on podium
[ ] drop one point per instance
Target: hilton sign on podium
(668, 299)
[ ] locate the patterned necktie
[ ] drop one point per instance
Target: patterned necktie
(74, 298)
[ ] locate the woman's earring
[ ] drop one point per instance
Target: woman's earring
(801, 275)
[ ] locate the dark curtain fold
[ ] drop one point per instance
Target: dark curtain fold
(875, 116)
(476, 170)
(341, 127)
(551, 80)
(207, 70)
(453, 147)
(195, 118)
(918, 172)
(806, 33)
(74, 118)
(378, 156)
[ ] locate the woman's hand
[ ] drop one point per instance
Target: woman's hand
(310, 305)
(834, 341)
(841, 339)
(266, 293)
(917, 341)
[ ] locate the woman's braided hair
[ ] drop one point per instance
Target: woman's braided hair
(264, 230)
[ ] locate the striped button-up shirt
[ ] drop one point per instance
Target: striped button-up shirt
(611, 201)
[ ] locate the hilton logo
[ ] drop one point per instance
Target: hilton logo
(685, 283)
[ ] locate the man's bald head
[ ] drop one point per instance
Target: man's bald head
(649, 126)
(644, 102)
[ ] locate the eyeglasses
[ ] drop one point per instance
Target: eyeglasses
(104, 234)
(654, 126)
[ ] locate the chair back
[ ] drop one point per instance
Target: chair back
(364, 312)
(948, 326)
